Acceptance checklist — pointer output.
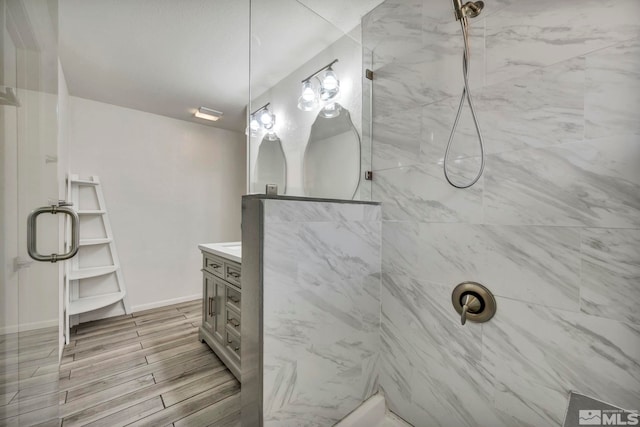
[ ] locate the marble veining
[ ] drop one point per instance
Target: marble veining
(321, 323)
(529, 404)
(393, 29)
(540, 265)
(594, 183)
(612, 98)
(289, 211)
(542, 109)
(611, 273)
(420, 192)
(437, 122)
(575, 352)
(444, 363)
(430, 73)
(396, 140)
(529, 35)
(552, 227)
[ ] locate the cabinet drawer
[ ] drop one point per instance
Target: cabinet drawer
(213, 265)
(233, 344)
(232, 273)
(234, 298)
(233, 320)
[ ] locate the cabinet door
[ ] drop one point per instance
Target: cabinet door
(220, 309)
(208, 303)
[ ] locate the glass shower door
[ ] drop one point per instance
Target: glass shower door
(29, 317)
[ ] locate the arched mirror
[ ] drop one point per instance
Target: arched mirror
(271, 165)
(332, 157)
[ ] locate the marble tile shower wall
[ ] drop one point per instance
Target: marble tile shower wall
(553, 227)
(321, 310)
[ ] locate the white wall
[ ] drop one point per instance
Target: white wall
(168, 185)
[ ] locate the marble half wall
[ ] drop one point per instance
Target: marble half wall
(318, 283)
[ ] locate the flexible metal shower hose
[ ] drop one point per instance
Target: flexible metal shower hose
(466, 93)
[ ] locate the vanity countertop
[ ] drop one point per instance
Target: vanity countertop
(229, 250)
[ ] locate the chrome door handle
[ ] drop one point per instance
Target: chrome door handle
(32, 226)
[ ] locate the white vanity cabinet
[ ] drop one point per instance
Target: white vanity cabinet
(222, 302)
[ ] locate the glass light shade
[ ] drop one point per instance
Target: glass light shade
(254, 124)
(308, 100)
(331, 110)
(330, 80)
(266, 119)
(270, 121)
(308, 92)
(329, 85)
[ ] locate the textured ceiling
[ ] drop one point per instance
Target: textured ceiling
(169, 57)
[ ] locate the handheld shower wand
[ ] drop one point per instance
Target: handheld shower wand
(470, 9)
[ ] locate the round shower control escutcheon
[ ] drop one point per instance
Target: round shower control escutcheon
(473, 302)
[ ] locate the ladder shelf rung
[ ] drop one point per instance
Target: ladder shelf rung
(85, 304)
(97, 241)
(84, 182)
(91, 212)
(85, 273)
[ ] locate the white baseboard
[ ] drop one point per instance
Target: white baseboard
(118, 310)
(166, 302)
(12, 329)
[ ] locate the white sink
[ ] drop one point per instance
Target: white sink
(228, 250)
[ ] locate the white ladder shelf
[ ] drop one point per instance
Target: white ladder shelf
(76, 304)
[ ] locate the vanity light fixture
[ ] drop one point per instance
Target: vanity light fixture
(261, 118)
(208, 114)
(327, 90)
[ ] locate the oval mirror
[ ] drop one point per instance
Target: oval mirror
(271, 165)
(332, 156)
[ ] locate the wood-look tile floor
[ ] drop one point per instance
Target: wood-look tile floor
(28, 378)
(146, 369)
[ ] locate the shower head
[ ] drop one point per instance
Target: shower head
(470, 9)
